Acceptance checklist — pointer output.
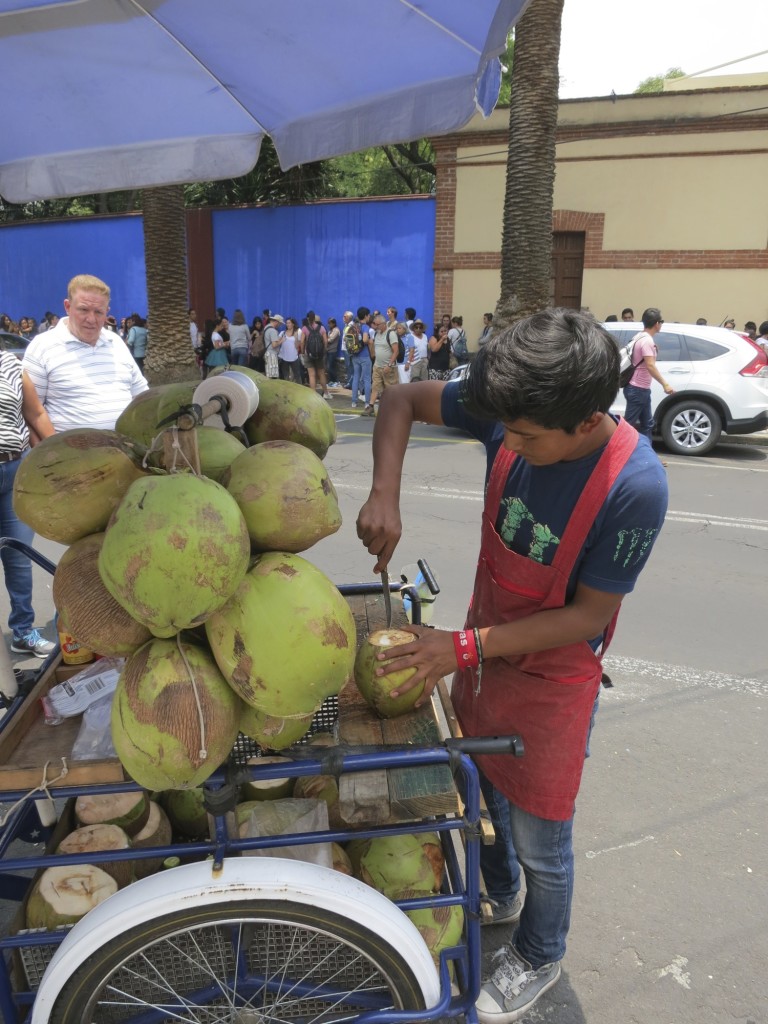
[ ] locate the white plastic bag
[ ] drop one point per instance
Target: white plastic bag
(94, 740)
(404, 373)
(282, 817)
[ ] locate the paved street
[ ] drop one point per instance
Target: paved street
(670, 922)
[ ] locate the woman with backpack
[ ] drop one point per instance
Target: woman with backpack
(314, 347)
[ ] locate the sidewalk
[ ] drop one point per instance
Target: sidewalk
(342, 403)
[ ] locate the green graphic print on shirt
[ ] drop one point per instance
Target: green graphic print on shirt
(632, 545)
(541, 536)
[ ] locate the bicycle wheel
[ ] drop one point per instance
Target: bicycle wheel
(258, 956)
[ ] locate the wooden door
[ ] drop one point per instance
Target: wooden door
(567, 268)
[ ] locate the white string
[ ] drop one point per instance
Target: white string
(42, 788)
(203, 753)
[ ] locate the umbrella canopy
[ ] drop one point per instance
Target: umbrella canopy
(121, 94)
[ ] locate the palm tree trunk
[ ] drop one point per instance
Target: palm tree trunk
(526, 247)
(169, 353)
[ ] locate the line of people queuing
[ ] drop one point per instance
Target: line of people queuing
(368, 352)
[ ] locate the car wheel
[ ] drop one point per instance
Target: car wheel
(691, 428)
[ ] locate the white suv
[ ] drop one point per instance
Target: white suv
(720, 379)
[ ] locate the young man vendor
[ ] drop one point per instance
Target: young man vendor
(575, 499)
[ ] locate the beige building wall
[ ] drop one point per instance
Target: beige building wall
(669, 190)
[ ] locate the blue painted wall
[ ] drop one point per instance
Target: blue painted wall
(37, 261)
(328, 256)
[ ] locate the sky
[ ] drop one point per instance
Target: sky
(612, 45)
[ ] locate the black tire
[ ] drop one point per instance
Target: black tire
(691, 427)
(286, 961)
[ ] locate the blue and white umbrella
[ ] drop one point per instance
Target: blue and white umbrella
(119, 94)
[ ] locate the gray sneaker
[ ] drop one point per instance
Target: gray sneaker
(32, 643)
(513, 987)
(504, 913)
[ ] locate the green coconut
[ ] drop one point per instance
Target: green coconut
(129, 811)
(97, 839)
(86, 607)
(156, 721)
(440, 927)
(156, 832)
(175, 398)
(393, 863)
(291, 412)
(257, 788)
(186, 812)
(63, 895)
(273, 733)
(285, 494)
(174, 552)
(377, 689)
(286, 638)
(217, 450)
(70, 484)
(139, 419)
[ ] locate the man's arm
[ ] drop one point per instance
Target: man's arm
(433, 655)
(378, 524)
(650, 365)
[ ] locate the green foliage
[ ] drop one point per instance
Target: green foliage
(656, 82)
(506, 73)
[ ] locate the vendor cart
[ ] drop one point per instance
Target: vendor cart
(229, 935)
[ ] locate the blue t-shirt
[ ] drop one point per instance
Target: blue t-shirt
(538, 502)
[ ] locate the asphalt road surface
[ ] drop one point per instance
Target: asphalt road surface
(670, 913)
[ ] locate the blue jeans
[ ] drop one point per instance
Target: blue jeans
(238, 357)
(638, 410)
(545, 851)
(330, 365)
(16, 566)
(361, 375)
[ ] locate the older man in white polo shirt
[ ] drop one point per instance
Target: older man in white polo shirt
(84, 374)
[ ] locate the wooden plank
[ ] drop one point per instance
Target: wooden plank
(27, 743)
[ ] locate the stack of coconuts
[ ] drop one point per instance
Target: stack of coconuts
(197, 581)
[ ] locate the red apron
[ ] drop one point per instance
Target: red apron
(546, 697)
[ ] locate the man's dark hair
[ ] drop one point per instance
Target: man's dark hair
(750, 325)
(701, 322)
(627, 309)
(489, 315)
(363, 312)
(611, 318)
(651, 316)
(763, 328)
(555, 368)
(410, 313)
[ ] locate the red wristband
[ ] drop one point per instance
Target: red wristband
(466, 649)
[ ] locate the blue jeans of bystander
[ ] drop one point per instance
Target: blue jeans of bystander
(361, 376)
(16, 566)
(638, 411)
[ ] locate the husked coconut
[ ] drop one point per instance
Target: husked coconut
(341, 861)
(291, 412)
(321, 787)
(286, 638)
(62, 895)
(87, 608)
(175, 550)
(186, 812)
(270, 732)
(167, 732)
(285, 494)
(257, 788)
(70, 484)
(409, 861)
(129, 811)
(377, 689)
(99, 839)
(157, 832)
